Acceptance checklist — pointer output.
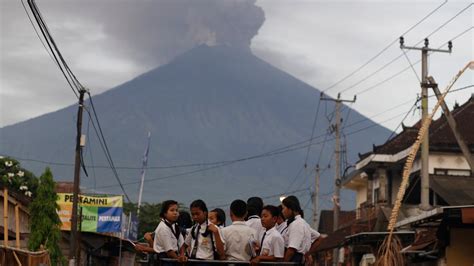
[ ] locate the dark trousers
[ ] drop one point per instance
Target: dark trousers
(298, 258)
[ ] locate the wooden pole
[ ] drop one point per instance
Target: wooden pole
(5, 216)
(17, 225)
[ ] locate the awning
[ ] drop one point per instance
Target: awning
(455, 190)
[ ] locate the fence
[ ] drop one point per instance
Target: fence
(15, 256)
(212, 262)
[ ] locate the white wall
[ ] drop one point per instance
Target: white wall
(361, 196)
(447, 161)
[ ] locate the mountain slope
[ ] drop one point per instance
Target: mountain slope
(209, 104)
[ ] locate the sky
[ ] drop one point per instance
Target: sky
(108, 42)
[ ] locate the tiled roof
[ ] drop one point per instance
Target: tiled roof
(441, 135)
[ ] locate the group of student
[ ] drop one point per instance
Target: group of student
(257, 233)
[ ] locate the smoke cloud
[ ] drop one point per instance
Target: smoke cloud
(153, 32)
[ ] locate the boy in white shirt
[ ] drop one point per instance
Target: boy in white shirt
(238, 236)
(254, 209)
(271, 246)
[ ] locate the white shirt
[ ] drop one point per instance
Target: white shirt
(255, 222)
(237, 237)
(273, 243)
(204, 247)
(298, 235)
(165, 240)
(314, 234)
(281, 227)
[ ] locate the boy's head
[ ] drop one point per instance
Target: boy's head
(269, 216)
(254, 206)
(238, 210)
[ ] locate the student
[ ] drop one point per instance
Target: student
(254, 209)
(297, 236)
(168, 239)
(238, 237)
(315, 238)
(217, 217)
(204, 240)
(281, 225)
(271, 244)
(184, 222)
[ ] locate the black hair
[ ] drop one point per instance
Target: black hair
(199, 204)
(273, 210)
(220, 214)
(165, 206)
(184, 220)
(238, 208)
(254, 206)
(280, 209)
(292, 203)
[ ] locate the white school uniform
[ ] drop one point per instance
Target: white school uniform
(273, 243)
(165, 239)
(314, 234)
(255, 222)
(204, 250)
(298, 235)
(282, 227)
(237, 237)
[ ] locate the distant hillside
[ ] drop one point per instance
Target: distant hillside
(209, 104)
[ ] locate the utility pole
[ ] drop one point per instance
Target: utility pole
(75, 246)
(425, 146)
(316, 198)
(337, 157)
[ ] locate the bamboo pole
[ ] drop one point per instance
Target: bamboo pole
(16, 258)
(5, 216)
(17, 225)
(389, 251)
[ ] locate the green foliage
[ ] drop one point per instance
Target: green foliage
(16, 178)
(44, 220)
(149, 217)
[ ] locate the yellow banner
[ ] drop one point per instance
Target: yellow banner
(106, 201)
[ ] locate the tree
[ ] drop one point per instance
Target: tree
(16, 178)
(44, 220)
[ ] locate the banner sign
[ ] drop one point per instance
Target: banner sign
(99, 214)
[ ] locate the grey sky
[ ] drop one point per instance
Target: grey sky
(319, 42)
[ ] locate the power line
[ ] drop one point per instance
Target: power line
(54, 49)
(315, 121)
(269, 153)
(406, 68)
(384, 49)
(399, 56)
(105, 146)
(232, 162)
(403, 119)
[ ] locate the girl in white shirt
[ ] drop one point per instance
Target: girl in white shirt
(204, 241)
(168, 239)
(217, 217)
(297, 236)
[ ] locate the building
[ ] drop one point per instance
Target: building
(438, 236)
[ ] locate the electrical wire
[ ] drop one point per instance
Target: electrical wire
(399, 56)
(384, 49)
(104, 145)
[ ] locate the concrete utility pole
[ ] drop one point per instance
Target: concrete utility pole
(337, 157)
(425, 175)
(316, 198)
(75, 246)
